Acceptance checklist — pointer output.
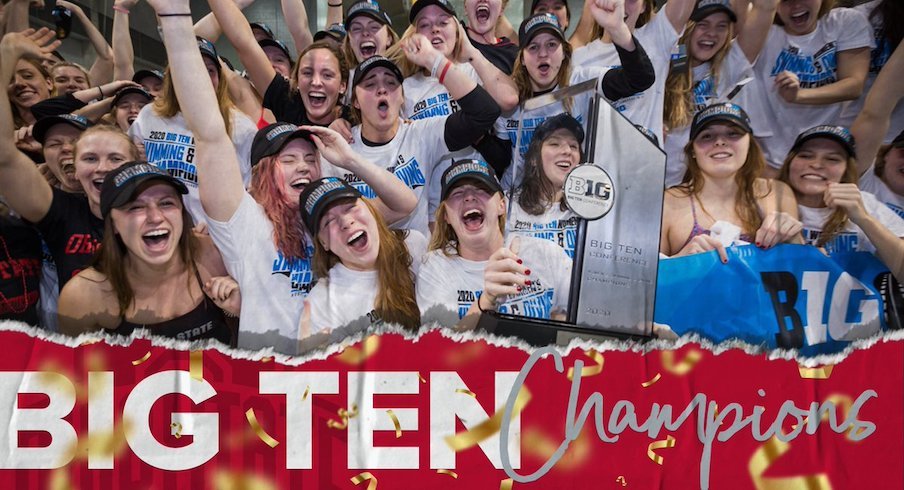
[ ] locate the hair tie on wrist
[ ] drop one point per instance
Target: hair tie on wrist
(174, 15)
(334, 4)
(100, 91)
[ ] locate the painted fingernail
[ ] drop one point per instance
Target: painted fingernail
(520, 261)
(527, 272)
(519, 289)
(527, 282)
(757, 244)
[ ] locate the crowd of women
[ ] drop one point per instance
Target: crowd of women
(386, 177)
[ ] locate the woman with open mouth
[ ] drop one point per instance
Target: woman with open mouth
(816, 57)
(837, 216)
(70, 223)
(543, 65)
(310, 94)
(127, 104)
(483, 16)
(722, 201)
(369, 33)
(365, 270)
(716, 62)
(259, 232)
(471, 267)
(152, 272)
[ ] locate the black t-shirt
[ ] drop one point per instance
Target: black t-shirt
(20, 271)
(285, 103)
(72, 233)
(502, 54)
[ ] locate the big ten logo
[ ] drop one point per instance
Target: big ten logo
(851, 312)
(590, 188)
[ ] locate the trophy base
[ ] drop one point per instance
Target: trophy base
(540, 333)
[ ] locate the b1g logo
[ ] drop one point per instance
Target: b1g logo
(589, 191)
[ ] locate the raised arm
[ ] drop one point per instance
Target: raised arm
(16, 12)
(871, 125)
(296, 17)
(756, 27)
(123, 52)
(24, 189)
(678, 12)
(636, 72)
(499, 85)
(102, 69)
(583, 33)
(219, 178)
(250, 53)
(333, 12)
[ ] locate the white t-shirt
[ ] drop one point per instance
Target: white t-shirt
(852, 239)
(426, 98)
(343, 303)
(412, 156)
(448, 285)
(813, 58)
(658, 38)
(169, 144)
(878, 57)
(874, 185)
(506, 126)
(273, 289)
(554, 225)
(735, 67)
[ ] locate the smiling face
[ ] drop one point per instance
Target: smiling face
(560, 153)
(379, 98)
(68, 79)
(710, 34)
(96, 154)
(28, 86)
(59, 154)
(127, 109)
(720, 149)
(367, 37)
(299, 163)
(555, 7)
(818, 163)
(483, 14)
(543, 57)
(278, 60)
(151, 225)
(440, 28)
(799, 16)
(349, 230)
(473, 213)
(320, 84)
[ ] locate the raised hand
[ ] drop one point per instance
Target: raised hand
(610, 15)
(30, 43)
(418, 50)
(125, 4)
(333, 146)
(778, 227)
(69, 5)
(847, 197)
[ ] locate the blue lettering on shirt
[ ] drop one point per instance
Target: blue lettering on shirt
(176, 158)
(408, 172)
(704, 92)
(812, 70)
(897, 209)
(842, 242)
(299, 272)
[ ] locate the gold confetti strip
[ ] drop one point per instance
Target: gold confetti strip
(59, 480)
(684, 366)
(267, 359)
(146, 356)
(307, 391)
(354, 355)
(448, 472)
(822, 372)
(344, 415)
(225, 480)
(363, 477)
(196, 365)
(89, 342)
(421, 378)
(485, 429)
(100, 445)
(506, 484)
(589, 370)
(178, 427)
(621, 480)
(261, 433)
(537, 443)
(651, 382)
(395, 422)
(668, 442)
(767, 454)
(466, 392)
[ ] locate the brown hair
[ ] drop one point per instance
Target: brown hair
(537, 192)
(167, 104)
(395, 302)
(824, 8)
(444, 237)
(341, 62)
(838, 219)
(679, 106)
(879, 165)
(134, 152)
(351, 60)
(746, 206)
(18, 120)
(63, 64)
(522, 78)
(268, 189)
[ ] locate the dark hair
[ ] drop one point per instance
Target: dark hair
(892, 13)
(340, 59)
(537, 193)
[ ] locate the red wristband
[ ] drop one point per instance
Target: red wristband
(442, 74)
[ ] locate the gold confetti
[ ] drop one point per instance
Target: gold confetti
(448, 472)
(651, 382)
(765, 455)
(307, 391)
(589, 370)
(363, 477)
(145, 357)
(668, 442)
(506, 484)
(59, 480)
(395, 422)
(538, 444)
(421, 378)
(102, 444)
(466, 392)
(822, 372)
(178, 433)
(354, 355)
(225, 480)
(684, 366)
(196, 365)
(621, 480)
(261, 433)
(89, 342)
(344, 415)
(267, 359)
(485, 429)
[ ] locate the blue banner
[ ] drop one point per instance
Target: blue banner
(791, 296)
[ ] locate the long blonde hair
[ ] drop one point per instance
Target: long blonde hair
(167, 105)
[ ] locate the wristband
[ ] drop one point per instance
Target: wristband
(100, 91)
(120, 9)
(174, 15)
(442, 75)
(481, 308)
(438, 61)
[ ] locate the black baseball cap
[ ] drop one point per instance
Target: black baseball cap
(208, 49)
(142, 74)
(898, 142)
(263, 27)
(369, 8)
(271, 139)
(276, 43)
(559, 121)
(839, 134)
(121, 184)
(533, 7)
(39, 131)
(468, 170)
(376, 62)
(334, 31)
(538, 23)
(705, 8)
(317, 197)
(422, 4)
(131, 90)
(725, 112)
